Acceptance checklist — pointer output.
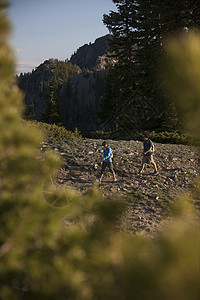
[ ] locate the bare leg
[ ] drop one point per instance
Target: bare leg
(142, 169)
(114, 176)
(101, 178)
(102, 170)
(155, 167)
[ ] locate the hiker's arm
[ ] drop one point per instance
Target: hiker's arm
(148, 151)
(150, 147)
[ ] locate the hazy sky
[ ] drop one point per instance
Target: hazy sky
(44, 29)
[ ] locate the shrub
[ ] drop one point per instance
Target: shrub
(54, 133)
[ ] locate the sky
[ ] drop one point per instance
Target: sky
(44, 29)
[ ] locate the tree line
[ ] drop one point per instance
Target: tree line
(62, 71)
(135, 97)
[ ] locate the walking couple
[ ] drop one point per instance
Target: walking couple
(147, 157)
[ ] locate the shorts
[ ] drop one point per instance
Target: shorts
(147, 159)
(105, 164)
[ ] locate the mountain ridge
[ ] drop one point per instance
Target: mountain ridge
(93, 55)
(85, 86)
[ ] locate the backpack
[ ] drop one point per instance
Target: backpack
(153, 148)
(111, 155)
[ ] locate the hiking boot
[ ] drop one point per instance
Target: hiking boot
(155, 172)
(115, 179)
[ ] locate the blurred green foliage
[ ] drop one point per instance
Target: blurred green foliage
(73, 250)
(53, 133)
(183, 73)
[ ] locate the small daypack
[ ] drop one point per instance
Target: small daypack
(111, 155)
(153, 148)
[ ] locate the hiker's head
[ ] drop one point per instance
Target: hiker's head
(105, 144)
(145, 136)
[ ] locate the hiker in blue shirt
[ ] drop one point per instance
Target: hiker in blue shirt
(107, 161)
(148, 154)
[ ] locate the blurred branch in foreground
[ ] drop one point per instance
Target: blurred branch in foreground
(182, 76)
(74, 251)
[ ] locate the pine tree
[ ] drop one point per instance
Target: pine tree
(53, 111)
(61, 73)
(149, 50)
(121, 77)
(139, 29)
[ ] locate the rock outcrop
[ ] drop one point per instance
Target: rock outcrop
(80, 97)
(92, 56)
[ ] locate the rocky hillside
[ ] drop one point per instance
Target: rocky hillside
(147, 197)
(92, 56)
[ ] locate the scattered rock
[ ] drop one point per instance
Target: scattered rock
(148, 196)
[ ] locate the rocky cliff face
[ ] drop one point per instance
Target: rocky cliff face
(92, 56)
(34, 85)
(80, 97)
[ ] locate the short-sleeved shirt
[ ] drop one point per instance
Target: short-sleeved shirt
(107, 153)
(147, 145)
